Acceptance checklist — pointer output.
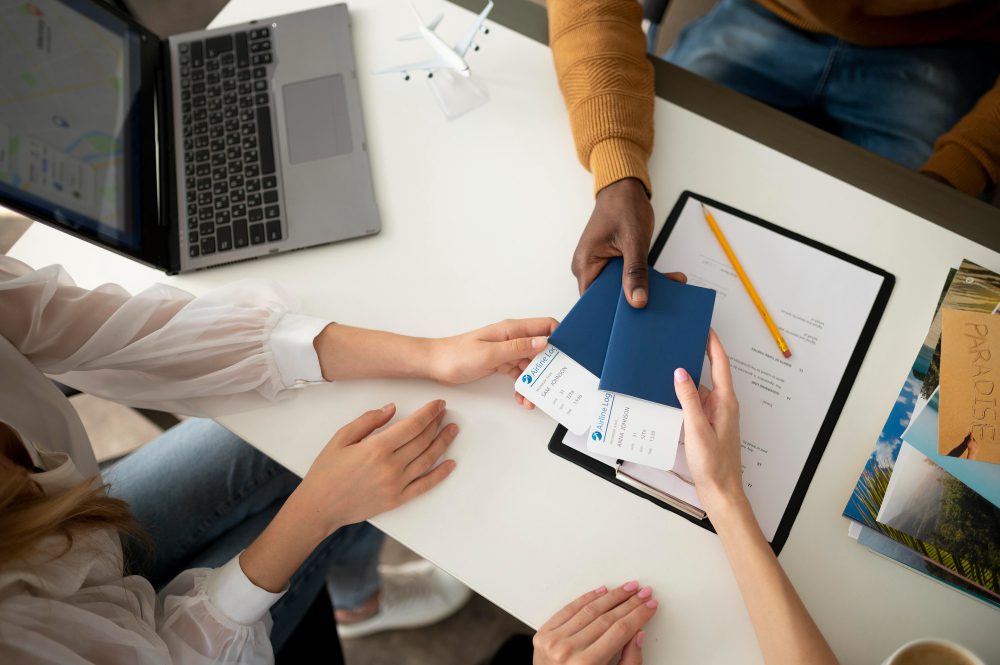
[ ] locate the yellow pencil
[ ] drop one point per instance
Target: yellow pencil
(746, 282)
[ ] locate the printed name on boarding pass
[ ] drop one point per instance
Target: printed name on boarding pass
(560, 387)
(635, 430)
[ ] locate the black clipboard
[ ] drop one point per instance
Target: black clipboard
(610, 474)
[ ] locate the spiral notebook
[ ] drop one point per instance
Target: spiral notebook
(827, 305)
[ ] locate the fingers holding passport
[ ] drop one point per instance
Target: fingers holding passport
(519, 368)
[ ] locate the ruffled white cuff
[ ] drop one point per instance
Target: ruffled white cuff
(239, 599)
(294, 353)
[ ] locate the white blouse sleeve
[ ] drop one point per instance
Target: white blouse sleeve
(215, 616)
(234, 348)
(75, 608)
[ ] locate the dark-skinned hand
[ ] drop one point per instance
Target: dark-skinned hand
(621, 225)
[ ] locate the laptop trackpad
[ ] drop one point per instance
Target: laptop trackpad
(316, 119)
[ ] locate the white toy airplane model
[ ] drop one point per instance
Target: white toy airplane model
(447, 57)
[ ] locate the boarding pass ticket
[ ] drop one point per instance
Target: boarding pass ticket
(635, 430)
(560, 387)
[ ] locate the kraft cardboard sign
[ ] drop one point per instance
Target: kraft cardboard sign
(970, 386)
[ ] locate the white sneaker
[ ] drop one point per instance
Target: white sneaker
(412, 595)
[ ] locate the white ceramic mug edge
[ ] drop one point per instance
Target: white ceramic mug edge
(973, 658)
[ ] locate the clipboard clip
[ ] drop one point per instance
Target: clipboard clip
(660, 495)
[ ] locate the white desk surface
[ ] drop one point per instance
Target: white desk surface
(480, 218)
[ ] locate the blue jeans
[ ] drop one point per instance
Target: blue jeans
(203, 495)
(894, 101)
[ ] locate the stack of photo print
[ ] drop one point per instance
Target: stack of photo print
(927, 511)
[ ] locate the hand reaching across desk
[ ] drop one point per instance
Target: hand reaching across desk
(607, 84)
(501, 348)
(785, 631)
(712, 429)
(504, 347)
(621, 225)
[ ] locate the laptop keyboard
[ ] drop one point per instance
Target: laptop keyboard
(230, 181)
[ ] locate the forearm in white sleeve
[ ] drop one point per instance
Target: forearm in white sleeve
(231, 349)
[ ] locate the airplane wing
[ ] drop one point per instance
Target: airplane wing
(435, 22)
(463, 45)
(410, 36)
(426, 65)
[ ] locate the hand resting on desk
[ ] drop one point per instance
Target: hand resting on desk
(596, 627)
(363, 471)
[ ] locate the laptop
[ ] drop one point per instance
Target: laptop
(206, 148)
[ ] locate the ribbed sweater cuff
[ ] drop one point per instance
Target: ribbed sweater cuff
(959, 167)
(615, 159)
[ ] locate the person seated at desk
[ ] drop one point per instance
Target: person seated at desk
(916, 82)
(600, 624)
(235, 534)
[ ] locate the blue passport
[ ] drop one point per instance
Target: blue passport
(608, 368)
(647, 345)
(638, 417)
(584, 332)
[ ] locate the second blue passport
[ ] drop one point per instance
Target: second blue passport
(645, 346)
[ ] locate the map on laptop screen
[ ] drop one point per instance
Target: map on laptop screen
(65, 94)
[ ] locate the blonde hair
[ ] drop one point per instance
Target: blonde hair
(28, 515)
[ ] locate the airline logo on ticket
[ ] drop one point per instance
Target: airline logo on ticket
(635, 430)
(560, 387)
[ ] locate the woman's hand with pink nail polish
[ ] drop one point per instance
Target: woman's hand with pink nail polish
(712, 430)
(596, 627)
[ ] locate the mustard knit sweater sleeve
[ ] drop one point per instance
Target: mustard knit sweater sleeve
(607, 82)
(968, 156)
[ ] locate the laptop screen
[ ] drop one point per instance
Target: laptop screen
(69, 82)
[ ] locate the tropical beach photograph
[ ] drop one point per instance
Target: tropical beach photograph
(928, 504)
